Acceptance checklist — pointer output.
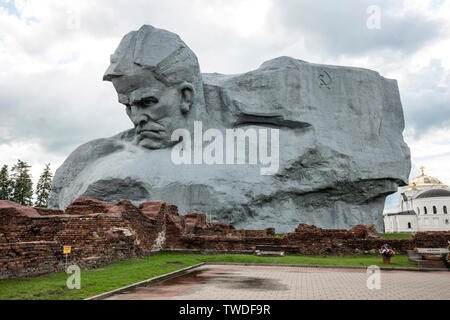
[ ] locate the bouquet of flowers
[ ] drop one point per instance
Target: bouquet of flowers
(446, 256)
(386, 251)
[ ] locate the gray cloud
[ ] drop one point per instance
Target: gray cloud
(59, 111)
(426, 99)
(333, 28)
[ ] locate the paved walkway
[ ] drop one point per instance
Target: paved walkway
(231, 282)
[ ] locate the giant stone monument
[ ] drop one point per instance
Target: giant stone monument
(333, 134)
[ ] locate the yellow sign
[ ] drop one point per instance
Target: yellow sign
(67, 249)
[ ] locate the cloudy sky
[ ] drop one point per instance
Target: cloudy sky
(53, 54)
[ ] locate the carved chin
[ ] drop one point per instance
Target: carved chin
(151, 143)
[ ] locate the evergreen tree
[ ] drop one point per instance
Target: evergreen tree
(43, 187)
(5, 184)
(22, 184)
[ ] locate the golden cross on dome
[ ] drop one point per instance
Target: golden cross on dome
(423, 170)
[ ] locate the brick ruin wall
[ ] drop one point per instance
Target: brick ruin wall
(31, 239)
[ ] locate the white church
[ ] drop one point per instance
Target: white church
(424, 206)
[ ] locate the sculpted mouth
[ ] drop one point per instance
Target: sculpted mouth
(156, 134)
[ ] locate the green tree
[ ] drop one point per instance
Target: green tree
(43, 187)
(22, 184)
(5, 184)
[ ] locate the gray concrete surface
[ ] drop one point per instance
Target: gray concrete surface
(233, 282)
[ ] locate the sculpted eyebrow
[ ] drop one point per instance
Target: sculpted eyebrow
(144, 96)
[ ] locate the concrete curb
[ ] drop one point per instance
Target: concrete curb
(147, 282)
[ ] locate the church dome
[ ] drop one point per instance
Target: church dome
(421, 180)
(424, 180)
(434, 193)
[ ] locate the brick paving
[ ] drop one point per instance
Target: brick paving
(232, 282)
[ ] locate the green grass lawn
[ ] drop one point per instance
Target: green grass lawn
(96, 281)
(396, 235)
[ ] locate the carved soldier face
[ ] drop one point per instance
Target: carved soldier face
(155, 109)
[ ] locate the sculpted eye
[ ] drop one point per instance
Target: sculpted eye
(149, 101)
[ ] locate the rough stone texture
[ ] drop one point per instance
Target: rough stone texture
(196, 220)
(341, 145)
(432, 239)
(31, 243)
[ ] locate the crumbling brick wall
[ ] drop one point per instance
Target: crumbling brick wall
(432, 239)
(32, 243)
(307, 240)
(32, 239)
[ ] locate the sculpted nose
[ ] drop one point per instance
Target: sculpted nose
(142, 119)
(138, 116)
